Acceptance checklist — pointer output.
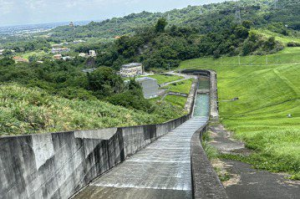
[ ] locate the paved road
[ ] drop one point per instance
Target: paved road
(160, 171)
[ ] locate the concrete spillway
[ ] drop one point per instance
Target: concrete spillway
(161, 170)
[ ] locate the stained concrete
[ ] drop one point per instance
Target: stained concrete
(57, 165)
(161, 170)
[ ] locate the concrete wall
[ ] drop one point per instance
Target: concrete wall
(57, 165)
(205, 181)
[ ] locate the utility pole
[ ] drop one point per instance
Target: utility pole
(276, 4)
(266, 59)
(239, 60)
(200, 12)
(238, 17)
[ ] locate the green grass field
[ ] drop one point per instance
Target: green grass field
(161, 79)
(267, 92)
(176, 100)
(278, 37)
(165, 78)
(181, 87)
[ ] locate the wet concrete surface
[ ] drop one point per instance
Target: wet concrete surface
(161, 170)
(246, 182)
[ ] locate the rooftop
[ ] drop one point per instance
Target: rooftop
(142, 79)
(131, 65)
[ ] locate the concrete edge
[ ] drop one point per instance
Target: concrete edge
(205, 181)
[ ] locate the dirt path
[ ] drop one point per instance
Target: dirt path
(246, 182)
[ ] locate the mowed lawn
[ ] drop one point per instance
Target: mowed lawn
(268, 88)
(165, 78)
(180, 87)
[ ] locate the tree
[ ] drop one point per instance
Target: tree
(161, 25)
(6, 62)
(105, 82)
(247, 24)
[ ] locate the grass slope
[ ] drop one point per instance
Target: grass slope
(180, 87)
(161, 79)
(27, 110)
(267, 92)
(176, 100)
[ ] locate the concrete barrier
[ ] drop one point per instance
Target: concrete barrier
(57, 165)
(205, 181)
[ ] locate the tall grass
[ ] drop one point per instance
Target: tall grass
(27, 110)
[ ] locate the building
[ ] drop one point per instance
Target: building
(18, 59)
(78, 41)
(60, 50)
(82, 55)
(1, 51)
(131, 70)
(66, 58)
(149, 85)
(57, 56)
(92, 53)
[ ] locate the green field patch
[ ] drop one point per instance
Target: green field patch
(176, 100)
(161, 79)
(180, 87)
(266, 116)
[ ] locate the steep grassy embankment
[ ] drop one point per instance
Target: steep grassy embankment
(268, 89)
(28, 110)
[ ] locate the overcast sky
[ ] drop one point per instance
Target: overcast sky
(15, 12)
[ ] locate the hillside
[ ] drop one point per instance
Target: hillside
(31, 110)
(268, 91)
(206, 18)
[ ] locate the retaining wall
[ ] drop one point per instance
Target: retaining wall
(57, 165)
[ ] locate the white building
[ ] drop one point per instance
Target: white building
(1, 51)
(60, 50)
(82, 55)
(131, 70)
(149, 85)
(92, 53)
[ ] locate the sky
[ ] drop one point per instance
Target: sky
(19, 12)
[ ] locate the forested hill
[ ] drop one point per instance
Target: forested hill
(278, 17)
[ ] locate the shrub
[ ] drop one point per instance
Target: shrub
(293, 44)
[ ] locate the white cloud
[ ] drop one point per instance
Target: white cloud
(43, 11)
(6, 6)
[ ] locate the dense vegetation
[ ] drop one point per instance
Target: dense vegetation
(206, 18)
(268, 92)
(32, 110)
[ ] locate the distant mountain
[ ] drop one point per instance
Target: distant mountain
(207, 18)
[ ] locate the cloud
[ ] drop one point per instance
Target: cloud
(6, 6)
(44, 11)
